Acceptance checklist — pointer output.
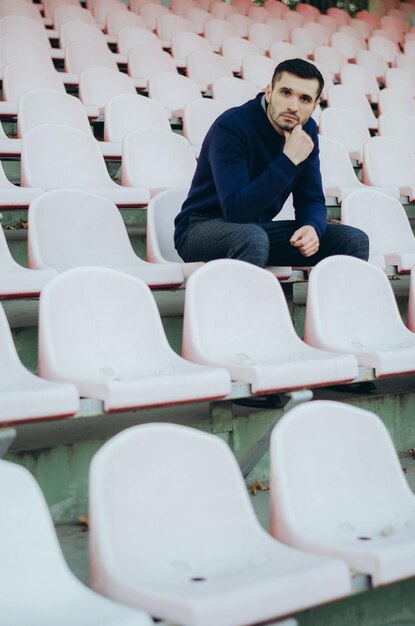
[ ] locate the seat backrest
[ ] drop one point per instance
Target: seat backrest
(146, 60)
(330, 57)
(400, 80)
(21, 77)
(81, 55)
(198, 117)
(98, 84)
(161, 213)
(117, 19)
(335, 164)
(160, 158)
(50, 5)
(388, 163)
(262, 35)
(360, 78)
(398, 125)
(17, 48)
(234, 49)
(258, 14)
(45, 106)
(205, 67)
(69, 13)
(391, 100)
(132, 36)
(22, 26)
(56, 156)
(346, 43)
(71, 228)
(173, 91)
(235, 327)
(258, 70)
(411, 302)
(386, 48)
(321, 32)
(183, 43)
(346, 97)
(233, 91)
(305, 39)
(241, 24)
(282, 50)
(350, 307)
(220, 10)
(333, 466)
(19, 7)
(101, 8)
(345, 127)
(81, 31)
(127, 112)
(198, 17)
(373, 62)
(169, 24)
(150, 12)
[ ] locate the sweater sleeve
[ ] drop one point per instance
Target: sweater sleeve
(308, 196)
(243, 200)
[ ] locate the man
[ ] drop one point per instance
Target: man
(252, 158)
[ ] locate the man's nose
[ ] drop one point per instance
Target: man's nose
(293, 103)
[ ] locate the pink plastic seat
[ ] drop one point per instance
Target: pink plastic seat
(369, 18)
(311, 12)
(56, 157)
(340, 15)
(258, 70)
(98, 84)
(157, 159)
(170, 24)
(161, 213)
(294, 19)
(257, 345)
(73, 228)
(390, 163)
(351, 309)
(198, 117)
(361, 79)
(184, 43)
(144, 61)
(346, 97)
(127, 112)
(328, 22)
(173, 92)
(129, 363)
(276, 8)
(384, 220)
(280, 27)
(221, 10)
(234, 49)
(151, 12)
(337, 489)
(233, 91)
(26, 397)
(347, 128)
(258, 14)
(171, 573)
(204, 67)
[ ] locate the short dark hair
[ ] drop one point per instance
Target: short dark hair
(300, 68)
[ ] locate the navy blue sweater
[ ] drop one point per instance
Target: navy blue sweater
(243, 175)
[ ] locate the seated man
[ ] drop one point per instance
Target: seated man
(252, 158)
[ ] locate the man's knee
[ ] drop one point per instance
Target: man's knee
(348, 240)
(251, 244)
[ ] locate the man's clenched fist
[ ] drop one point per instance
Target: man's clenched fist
(298, 145)
(306, 240)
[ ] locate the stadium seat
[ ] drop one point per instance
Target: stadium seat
(386, 48)
(216, 31)
(281, 27)
(383, 219)
(330, 58)
(390, 163)
(26, 397)
(337, 489)
(321, 32)
(198, 17)
(224, 569)
(258, 346)
(132, 36)
(73, 228)
(258, 14)
(98, 84)
(262, 36)
(17, 48)
(258, 70)
(50, 5)
(391, 100)
(198, 117)
(305, 40)
(56, 157)
(170, 24)
(282, 50)
(341, 16)
(127, 112)
(234, 49)
(276, 8)
(411, 302)
(19, 7)
(347, 97)
(351, 309)
(311, 12)
(21, 77)
(151, 12)
(405, 62)
(398, 125)
(400, 80)
(240, 23)
(28, 30)
(373, 62)
(294, 19)
(349, 45)
(369, 18)
(117, 19)
(204, 67)
(184, 43)
(233, 91)
(173, 92)
(347, 128)
(33, 564)
(161, 212)
(157, 159)
(129, 363)
(81, 55)
(82, 31)
(146, 60)
(361, 79)
(70, 13)
(220, 10)
(351, 30)
(328, 22)
(101, 8)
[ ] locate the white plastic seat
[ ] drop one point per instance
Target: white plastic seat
(240, 23)
(19, 7)
(81, 55)
(82, 31)
(70, 13)
(221, 10)
(144, 61)
(374, 62)
(216, 31)
(101, 8)
(56, 157)
(347, 128)
(16, 49)
(169, 24)
(204, 67)
(257, 345)
(337, 489)
(118, 351)
(30, 33)
(351, 309)
(321, 32)
(258, 14)
(409, 48)
(262, 36)
(362, 28)
(209, 562)
(258, 70)
(371, 19)
(383, 219)
(132, 36)
(98, 84)
(173, 92)
(346, 97)
(294, 19)
(328, 22)
(127, 112)
(398, 125)
(150, 13)
(280, 26)
(161, 213)
(386, 48)
(282, 50)
(234, 49)
(349, 45)
(184, 43)
(197, 17)
(73, 228)
(26, 397)
(117, 19)
(157, 159)
(12, 196)
(405, 62)
(400, 80)
(351, 30)
(305, 40)
(391, 100)
(411, 302)
(233, 91)
(198, 117)
(359, 78)
(330, 58)
(391, 163)
(50, 5)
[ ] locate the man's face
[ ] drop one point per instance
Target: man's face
(291, 101)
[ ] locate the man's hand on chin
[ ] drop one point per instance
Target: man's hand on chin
(306, 240)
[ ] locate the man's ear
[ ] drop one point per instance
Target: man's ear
(268, 90)
(317, 102)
